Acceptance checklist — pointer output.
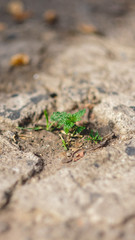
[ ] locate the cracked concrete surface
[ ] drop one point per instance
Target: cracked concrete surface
(42, 196)
(16, 167)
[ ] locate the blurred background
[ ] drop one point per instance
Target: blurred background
(41, 29)
(104, 14)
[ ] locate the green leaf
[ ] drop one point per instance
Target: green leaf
(37, 128)
(46, 115)
(79, 129)
(58, 116)
(68, 125)
(48, 126)
(66, 129)
(78, 115)
(67, 120)
(94, 137)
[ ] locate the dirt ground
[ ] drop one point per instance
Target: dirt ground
(83, 58)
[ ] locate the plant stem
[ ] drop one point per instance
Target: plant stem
(47, 121)
(64, 144)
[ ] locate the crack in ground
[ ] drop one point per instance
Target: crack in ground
(7, 196)
(125, 221)
(23, 180)
(39, 167)
(106, 141)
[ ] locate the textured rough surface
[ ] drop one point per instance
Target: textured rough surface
(44, 192)
(15, 109)
(16, 166)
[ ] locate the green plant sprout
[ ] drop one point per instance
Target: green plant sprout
(38, 128)
(68, 121)
(64, 144)
(48, 125)
(64, 120)
(94, 137)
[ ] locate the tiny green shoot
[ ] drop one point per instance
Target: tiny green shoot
(64, 144)
(94, 137)
(48, 125)
(38, 128)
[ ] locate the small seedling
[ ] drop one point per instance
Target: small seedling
(48, 125)
(38, 128)
(94, 137)
(68, 121)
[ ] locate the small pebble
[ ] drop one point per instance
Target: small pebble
(68, 154)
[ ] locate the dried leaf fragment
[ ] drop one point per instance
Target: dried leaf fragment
(2, 26)
(87, 28)
(15, 7)
(78, 154)
(19, 59)
(50, 16)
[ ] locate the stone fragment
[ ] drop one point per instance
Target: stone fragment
(15, 168)
(117, 109)
(20, 107)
